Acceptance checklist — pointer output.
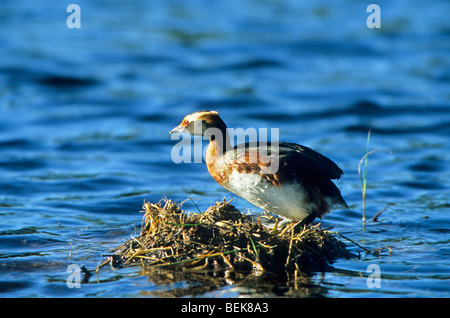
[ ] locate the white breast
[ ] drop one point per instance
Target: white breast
(285, 200)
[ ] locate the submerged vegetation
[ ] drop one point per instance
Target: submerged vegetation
(223, 240)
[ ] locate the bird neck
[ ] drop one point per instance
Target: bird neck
(219, 143)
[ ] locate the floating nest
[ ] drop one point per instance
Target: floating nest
(224, 239)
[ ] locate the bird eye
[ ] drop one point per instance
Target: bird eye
(186, 122)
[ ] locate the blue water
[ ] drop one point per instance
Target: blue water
(85, 116)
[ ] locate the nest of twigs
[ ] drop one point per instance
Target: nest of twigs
(222, 238)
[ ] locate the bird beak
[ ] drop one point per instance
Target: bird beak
(178, 129)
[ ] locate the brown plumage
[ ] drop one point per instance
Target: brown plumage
(287, 179)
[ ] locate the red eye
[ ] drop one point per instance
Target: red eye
(186, 122)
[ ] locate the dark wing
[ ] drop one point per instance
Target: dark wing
(307, 162)
(293, 159)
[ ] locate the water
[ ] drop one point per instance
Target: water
(85, 116)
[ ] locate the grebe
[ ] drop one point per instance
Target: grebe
(299, 189)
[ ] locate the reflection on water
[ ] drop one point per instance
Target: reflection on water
(85, 116)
